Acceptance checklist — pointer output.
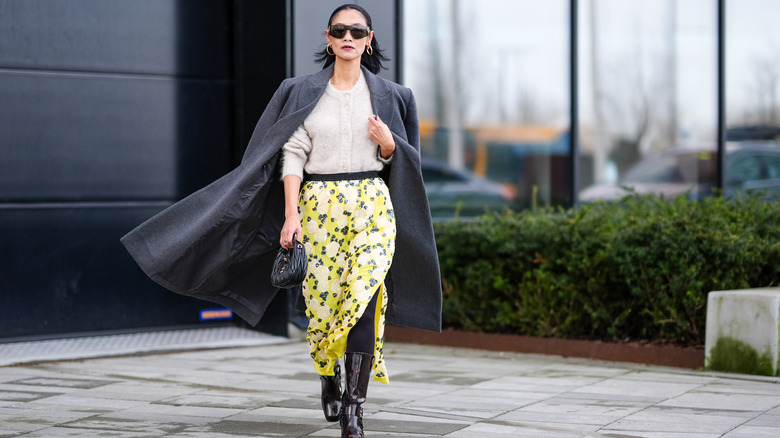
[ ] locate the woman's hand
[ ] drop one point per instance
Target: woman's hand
(292, 221)
(380, 133)
(292, 227)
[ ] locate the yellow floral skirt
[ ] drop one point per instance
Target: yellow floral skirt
(349, 235)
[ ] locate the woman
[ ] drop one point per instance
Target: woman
(371, 259)
(347, 221)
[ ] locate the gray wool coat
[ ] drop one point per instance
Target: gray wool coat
(219, 243)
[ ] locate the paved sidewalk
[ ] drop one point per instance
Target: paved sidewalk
(271, 390)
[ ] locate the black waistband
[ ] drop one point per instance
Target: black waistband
(341, 176)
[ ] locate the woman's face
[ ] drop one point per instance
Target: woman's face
(348, 48)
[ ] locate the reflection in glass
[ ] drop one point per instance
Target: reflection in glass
(753, 96)
(491, 82)
(647, 81)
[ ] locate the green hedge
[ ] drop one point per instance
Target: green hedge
(636, 270)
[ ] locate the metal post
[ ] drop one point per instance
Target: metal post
(721, 135)
(399, 41)
(573, 102)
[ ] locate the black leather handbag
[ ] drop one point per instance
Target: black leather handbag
(290, 266)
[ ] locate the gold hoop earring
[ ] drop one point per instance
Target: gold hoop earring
(329, 50)
(369, 50)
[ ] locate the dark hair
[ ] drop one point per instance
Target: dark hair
(372, 62)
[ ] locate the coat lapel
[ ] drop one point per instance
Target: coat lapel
(380, 93)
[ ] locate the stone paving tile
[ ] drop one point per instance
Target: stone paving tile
(55, 432)
(283, 415)
(336, 433)
(221, 399)
(84, 400)
(472, 403)
(403, 392)
(49, 382)
(752, 432)
(656, 419)
(671, 376)
(311, 403)
(436, 377)
(49, 413)
(765, 421)
(24, 396)
(578, 368)
(641, 434)
(538, 384)
(411, 424)
(572, 411)
(18, 425)
(249, 428)
(182, 411)
(658, 391)
(136, 391)
(488, 430)
(709, 400)
(758, 386)
(146, 423)
(606, 397)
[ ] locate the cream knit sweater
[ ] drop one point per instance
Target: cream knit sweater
(334, 137)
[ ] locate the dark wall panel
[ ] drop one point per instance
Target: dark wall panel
(109, 137)
(184, 37)
(69, 273)
(111, 110)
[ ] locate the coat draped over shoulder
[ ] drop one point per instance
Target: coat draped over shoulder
(218, 244)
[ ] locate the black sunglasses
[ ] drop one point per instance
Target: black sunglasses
(358, 31)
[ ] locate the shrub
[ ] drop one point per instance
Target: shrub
(639, 269)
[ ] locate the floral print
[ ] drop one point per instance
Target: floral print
(349, 235)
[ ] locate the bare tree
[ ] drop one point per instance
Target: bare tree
(766, 87)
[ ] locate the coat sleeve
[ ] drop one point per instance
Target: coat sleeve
(411, 122)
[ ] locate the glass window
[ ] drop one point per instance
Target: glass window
(752, 95)
(772, 167)
(744, 169)
(492, 89)
(648, 96)
(656, 170)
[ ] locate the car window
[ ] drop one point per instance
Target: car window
(437, 176)
(745, 169)
(654, 170)
(772, 166)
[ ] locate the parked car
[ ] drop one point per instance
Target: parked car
(749, 166)
(452, 191)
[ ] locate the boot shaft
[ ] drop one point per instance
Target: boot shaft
(358, 367)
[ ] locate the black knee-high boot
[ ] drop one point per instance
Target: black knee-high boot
(331, 394)
(358, 368)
